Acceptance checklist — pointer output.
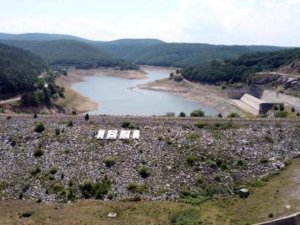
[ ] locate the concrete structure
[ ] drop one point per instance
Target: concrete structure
(273, 96)
(253, 105)
(289, 220)
(115, 134)
(244, 193)
(112, 215)
(238, 93)
(112, 134)
(125, 134)
(100, 134)
(136, 134)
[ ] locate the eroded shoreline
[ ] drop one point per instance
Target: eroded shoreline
(209, 95)
(76, 101)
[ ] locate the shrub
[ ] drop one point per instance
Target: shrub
(171, 76)
(35, 171)
(53, 170)
(70, 123)
(170, 114)
(191, 160)
(135, 188)
(280, 114)
(38, 152)
(197, 113)
(200, 124)
(178, 78)
(109, 161)
(240, 163)
(269, 139)
(217, 178)
(71, 194)
(182, 114)
(281, 107)
(212, 164)
(96, 189)
(132, 126)
(125, 124)
(51, 177)
(234, 115)
(39, 127)
(13, 141)
(199, 180)
(193, 136)
(27, 214)
(169, 141)
(219, 162)
(264, 161)
(57, 189)
(144, 172)
(86, 117)
(57, 131)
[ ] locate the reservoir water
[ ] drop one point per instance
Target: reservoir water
(118, 96)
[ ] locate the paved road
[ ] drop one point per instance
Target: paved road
(281, 74)
(12, 100)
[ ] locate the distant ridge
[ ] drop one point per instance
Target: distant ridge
(70, 53)
(136, 41)
(134, 51)
(40, 37)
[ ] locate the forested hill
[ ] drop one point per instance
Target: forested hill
(240, 70)
(40, 37)
(70, 53)
(177, 54)
(18, 69)
(124, 53)
(126, 48)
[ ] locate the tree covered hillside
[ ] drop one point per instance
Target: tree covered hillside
(126, 48)
(158, 53)
(241, 69)
(39, 37)
(67, 50)
(19, 69)
(71, 53)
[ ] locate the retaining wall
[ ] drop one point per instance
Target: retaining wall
(289, 220)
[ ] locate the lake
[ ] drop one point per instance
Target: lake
(118, 96)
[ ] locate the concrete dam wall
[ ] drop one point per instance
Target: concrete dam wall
(289, 220)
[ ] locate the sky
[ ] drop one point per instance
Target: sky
(267, 22)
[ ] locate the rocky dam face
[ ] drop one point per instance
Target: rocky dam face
(62, 160)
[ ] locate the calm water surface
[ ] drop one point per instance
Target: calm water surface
(117, 96)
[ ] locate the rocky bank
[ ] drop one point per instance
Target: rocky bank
(181, 156)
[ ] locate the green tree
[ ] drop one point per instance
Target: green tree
(197, 113)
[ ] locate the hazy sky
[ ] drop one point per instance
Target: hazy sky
(272, 22)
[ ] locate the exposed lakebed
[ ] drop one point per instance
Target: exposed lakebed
(118, 96)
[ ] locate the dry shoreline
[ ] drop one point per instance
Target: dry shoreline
(209, 95)
(74, 100)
